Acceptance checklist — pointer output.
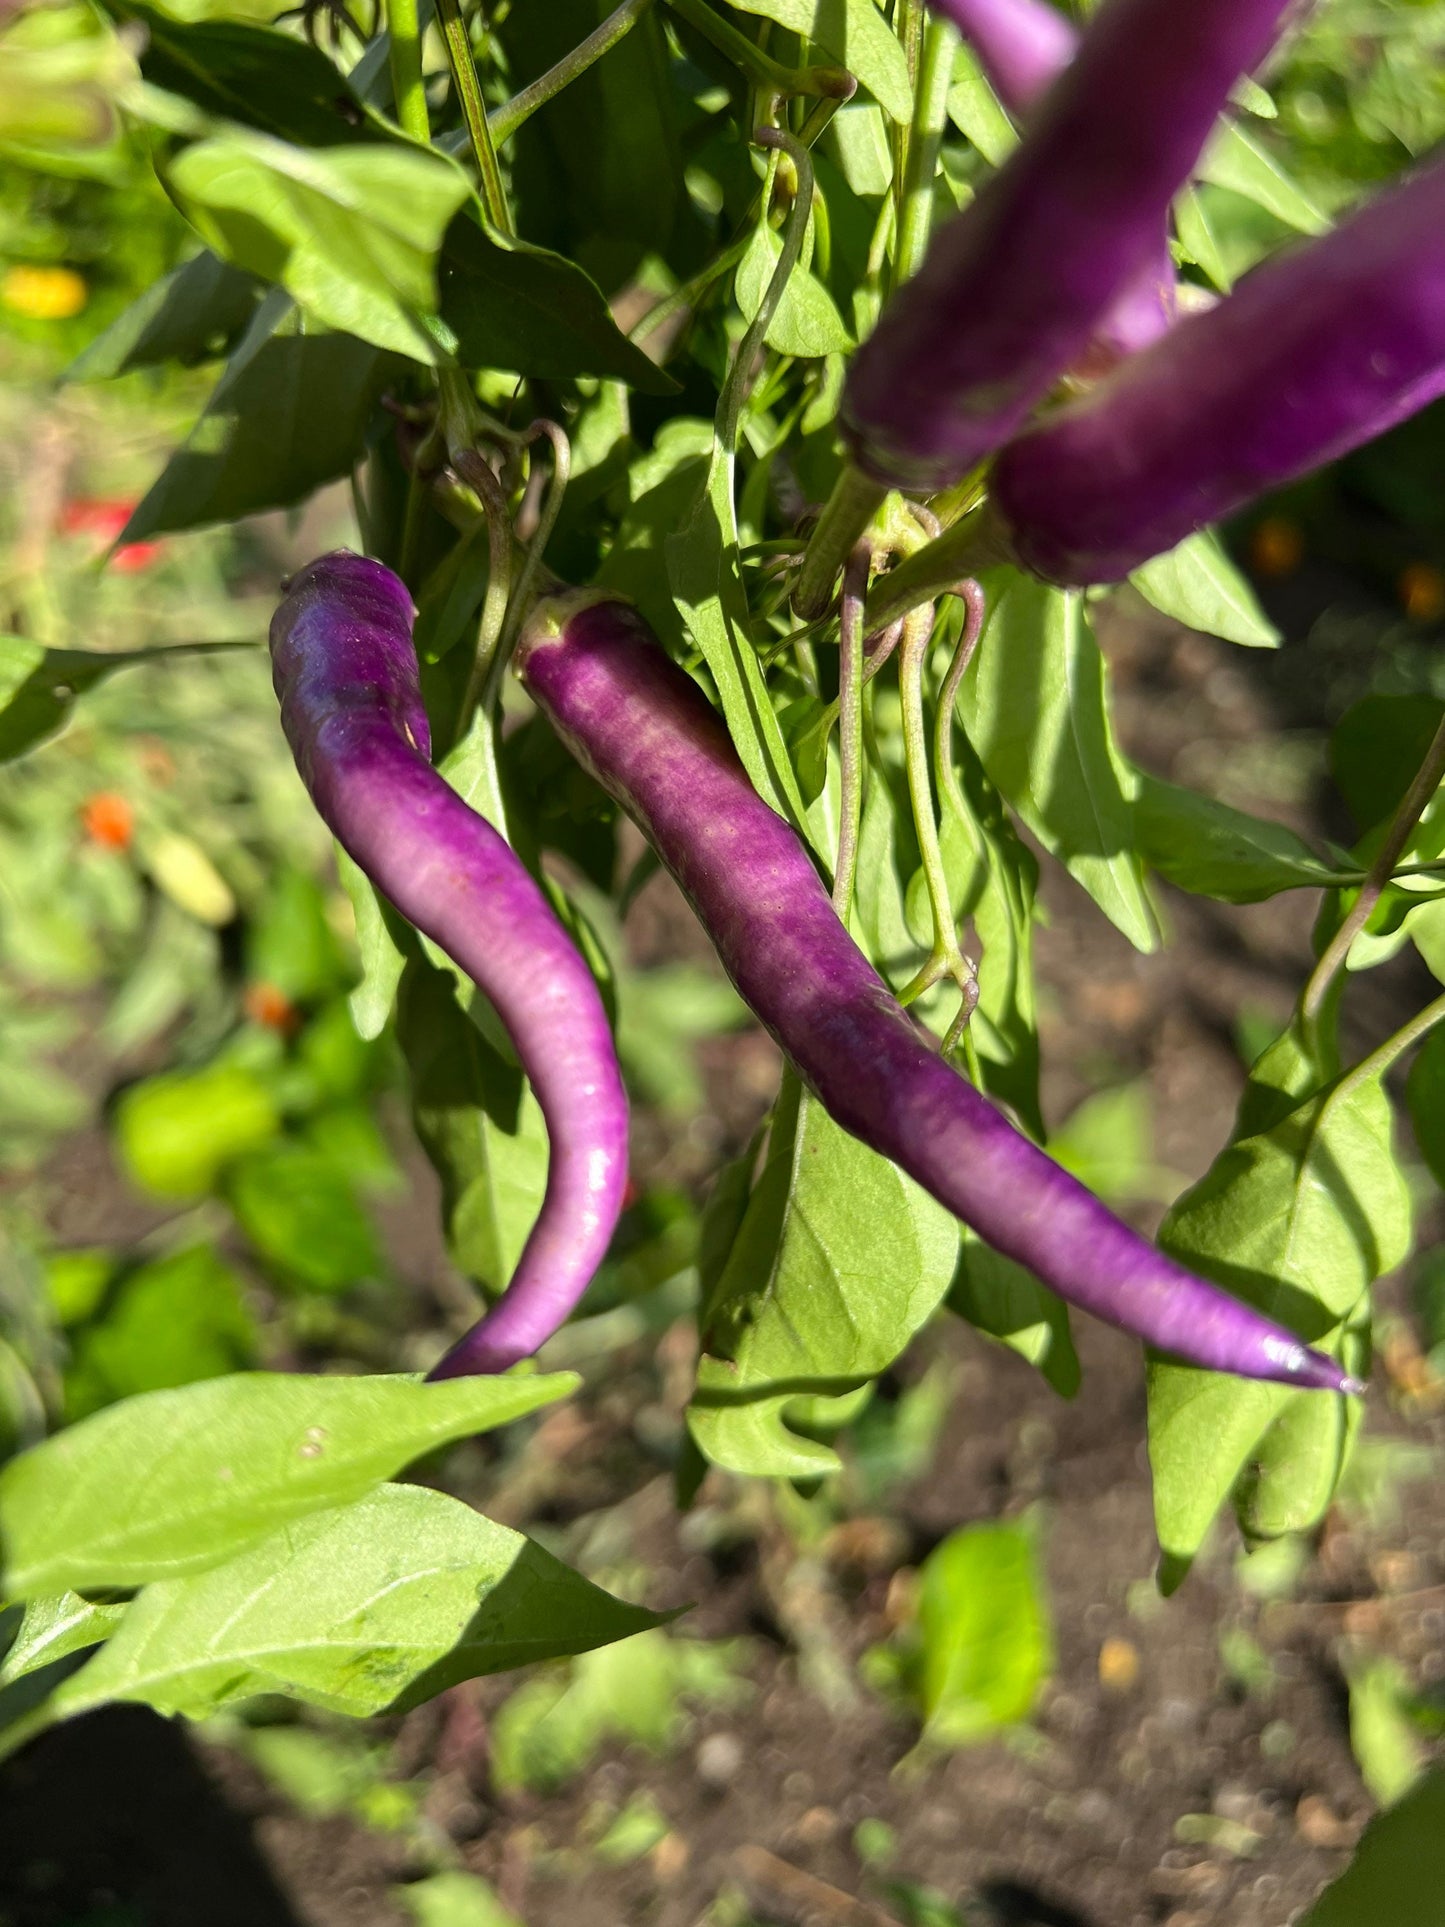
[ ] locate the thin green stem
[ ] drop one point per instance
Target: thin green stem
(739, 383)
(690, 292)
(1426, 781)
(925, 138)
(474, 113)
(1384, 1055)
(507, 118)
(855, 500)
(850, 735)
(970, 545)
(479, 476)
(769, 76)
(406, 81)
(971, 595)
(945, 959)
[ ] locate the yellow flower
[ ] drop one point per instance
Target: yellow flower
(43, 294)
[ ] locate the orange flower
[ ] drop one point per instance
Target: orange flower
(1276, 547)
(1422, 592)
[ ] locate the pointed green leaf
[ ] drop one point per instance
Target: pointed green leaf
(806, 322)
(1217, 851)
(214, 1466)
(193, 314)
(369, 1607)
(1198, 585)
(839, 1260)
(1236, 160)
(55, 1628)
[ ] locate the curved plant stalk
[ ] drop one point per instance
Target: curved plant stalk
(946, 959)
(971, 544)
(474, 114)
(850, 735)
(404, 34)
(1332, 960)
(507, 118)
(739, 383)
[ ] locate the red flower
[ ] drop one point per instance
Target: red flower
(104, 518)
(108, 820)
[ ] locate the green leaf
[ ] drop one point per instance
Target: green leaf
(1289, 1482)
(1375, 749)
(211, 1468)
(1385, 1744)
(290, 411)
(194, 314)
(1197, 239)
(177, 1133)
(297, 1207)
(39, 686)
(839, 1260)
(855, 34)
(240, 71)
(1035, 707)
(859, 138)
(985, 1644)
(454, 1899)
(172, 1321)
(974, 109)
(1001, 1298)
(519, 307)
(478, 1123)
(55, 1628)
(1299, 1219)
(1217, 851)
(379, 946)
(1235, 160)
(702, 568)
(352, 233)
(1398, 1868)
(1198, 585)
(370, 1607)
(806, 322)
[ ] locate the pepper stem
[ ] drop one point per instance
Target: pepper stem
(850, 508)
(850, 733)
(945, 959)
(925, 137)
(973, 543)
(521, 107)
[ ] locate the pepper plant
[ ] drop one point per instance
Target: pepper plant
(776, 387)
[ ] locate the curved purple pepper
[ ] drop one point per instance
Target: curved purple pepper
(1315, 352)
(648, 735)
(1023, 47)
(351, 707)
(1014, 286)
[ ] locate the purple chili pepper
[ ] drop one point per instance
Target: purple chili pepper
(1315, 352)
(351, 707)
(645, 731)
(1016, 283)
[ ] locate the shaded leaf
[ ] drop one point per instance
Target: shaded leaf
(1398, 1868)
(1217, 851)
(39, 686)
(193, 314)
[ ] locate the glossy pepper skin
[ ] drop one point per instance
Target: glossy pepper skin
(1318, 350)
(1014, 285)
(645, 731)
(351, 707)
(1023, 47)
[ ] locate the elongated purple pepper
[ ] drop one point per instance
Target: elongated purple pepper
(1015, 284)
(1023, 47)
(352, 711)
(1315, 352)
(650, 738)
